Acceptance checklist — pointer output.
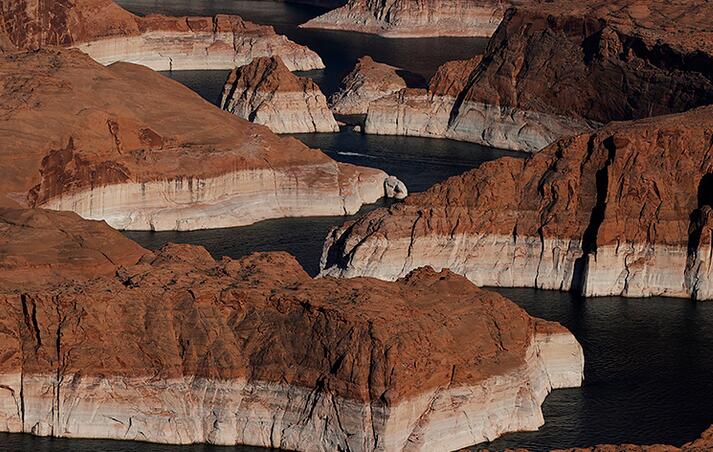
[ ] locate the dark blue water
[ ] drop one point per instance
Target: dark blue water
(649, 362)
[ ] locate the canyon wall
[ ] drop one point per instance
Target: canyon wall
(134, 148)
(108, 33)
(621, 211)
(559, 68)
(415, 18)
(178, 348)
(266, 92)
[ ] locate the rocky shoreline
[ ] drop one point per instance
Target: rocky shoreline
(255, 352)
(109, 33)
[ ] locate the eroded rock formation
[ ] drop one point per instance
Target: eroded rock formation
(179, 348)
(414, 18)
(622, 211)
(367, 82)
(266, 92)
(108, 33)
(562, 67)
(127, 145)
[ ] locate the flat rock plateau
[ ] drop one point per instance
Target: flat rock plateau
(129, 146)
(266, 92)
(174, 347)
(108, 33)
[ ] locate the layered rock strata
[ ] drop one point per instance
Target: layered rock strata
(179, 348)
(563, 67)
(266, 92)
(367, 82)
(108, 33)
(415, 18)
(622, 211)
(129, 146)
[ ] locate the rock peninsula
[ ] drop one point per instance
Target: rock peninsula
(625, 210)
(367, 82)
(179, 348)
(109, 33)
(129, 146)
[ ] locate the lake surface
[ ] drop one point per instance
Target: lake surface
(649, 362)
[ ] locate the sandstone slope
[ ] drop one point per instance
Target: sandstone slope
(562, 67)
(108, 33)
(179, 348)
(622, 211)
(266, 92)
(415, 18)
(367, 82)
(127, 145)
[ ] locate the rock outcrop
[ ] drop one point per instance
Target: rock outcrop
(559, 68)
(623, 211)
(178, 348)
(367, 82)
(702, 444)
(266, 92)
(415, 18)
(108, 33)
(129, 146)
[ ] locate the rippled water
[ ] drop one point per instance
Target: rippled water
(649, 362)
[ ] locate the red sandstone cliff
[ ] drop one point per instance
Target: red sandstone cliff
(558, 68)
(109, 33)
(175, 347)
(624, 210)
(367, 82)
(125, 144)
(266, 92)
(413, 18)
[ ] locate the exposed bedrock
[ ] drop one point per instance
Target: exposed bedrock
(266, 92)
(108, 33)
(367, 82)
(178, 348)
(560, 68)
(623, 211)
(129, 146)
(415, 18)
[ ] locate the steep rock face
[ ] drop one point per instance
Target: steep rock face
(266, 92)
(127, 145)
(414, 18)
(623, 211)
(108, 33)
(702, 444)
(367, 82)
(179, 348)
(421, 112)
(558, 68)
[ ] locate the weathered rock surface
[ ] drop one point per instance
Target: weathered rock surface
(622, 211)
(108, 33)
(179, 348)
(266, 92)
(129, 146)
(414, 18)
(702, 444)
(558, 68)
(367, 82)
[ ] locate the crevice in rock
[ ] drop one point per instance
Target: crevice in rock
(697, 222)
(589, 237)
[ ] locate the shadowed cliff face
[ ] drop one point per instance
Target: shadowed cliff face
(601, 61)
(619, 211)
